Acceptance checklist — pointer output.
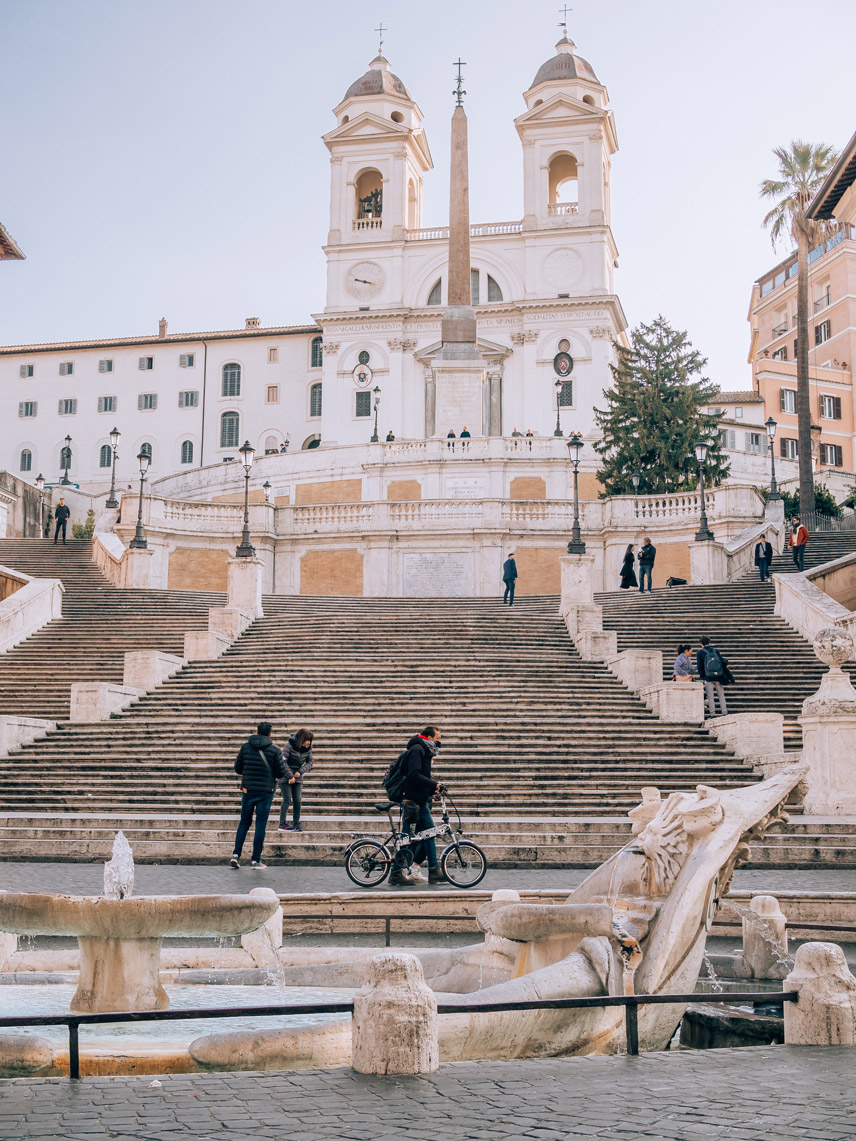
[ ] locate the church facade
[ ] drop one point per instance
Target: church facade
(542, 285)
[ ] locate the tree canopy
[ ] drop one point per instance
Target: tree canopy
(654, 415)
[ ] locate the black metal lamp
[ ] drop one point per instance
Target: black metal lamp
(40, 487)
(66, 461)
(266, 488)
(246, 550)
(771, 427)
(704, 533)
(558, 430)
(138, 543)
(636, 477)
(575, 447)
(112, 501)
(376, 392)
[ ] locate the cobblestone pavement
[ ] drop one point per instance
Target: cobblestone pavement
(769, 1093)
(187, 879)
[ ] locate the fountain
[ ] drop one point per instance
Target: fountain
(638, 924)
(120, 936)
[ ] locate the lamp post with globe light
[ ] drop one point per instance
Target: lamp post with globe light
(376, 392)
(246, 550)
(112, 501)
(575, 447)
(558, 430)
(771, 426)
(40, 485)
(704, 533)
(636, 477)
(138, 543)
(65, 461)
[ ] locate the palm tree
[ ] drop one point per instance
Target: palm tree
(802, 170)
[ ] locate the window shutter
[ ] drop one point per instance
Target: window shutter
(24, 370)
(182, 361)
(836, 413)
(21, 408)
(154, 401)
(732, 438)
(839, 456)
(74, 407)
(181, 397)
(61, 407)
(142, 363)
(783, 448)
(140, 402)
(782, 402)
(100, 403)
(102, 367)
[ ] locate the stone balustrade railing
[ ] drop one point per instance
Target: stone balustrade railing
(808, 608)
(714, 562)
(35, 603)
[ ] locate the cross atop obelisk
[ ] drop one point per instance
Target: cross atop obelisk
(459, 320)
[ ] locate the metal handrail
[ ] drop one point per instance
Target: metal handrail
(630, 1002)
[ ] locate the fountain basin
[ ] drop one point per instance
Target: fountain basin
(120, 939)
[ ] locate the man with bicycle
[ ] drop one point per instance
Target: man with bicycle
(419, 791)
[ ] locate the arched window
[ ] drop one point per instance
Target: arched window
(563, 186)
(369, 191)
(315, 400)
(187, 452)
(310, 442)
(146, 449)
(271, 445)
(364, 357)
(229, 434)
(494, 293)
(231, 380)
(26, 460)
(317, 352)
(105, 456)
(435, 296)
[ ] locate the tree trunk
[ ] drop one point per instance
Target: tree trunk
(803, 394)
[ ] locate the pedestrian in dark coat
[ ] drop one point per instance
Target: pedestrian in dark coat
(62, 515)
(259, 765)
(628, 574)
(647, 554)
(509, 577)
(763, 558)
(419, 790)
(297, 761)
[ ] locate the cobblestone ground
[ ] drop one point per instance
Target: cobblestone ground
(772, 1093)
(188, 879)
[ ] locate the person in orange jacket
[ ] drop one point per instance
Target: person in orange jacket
(797, 542)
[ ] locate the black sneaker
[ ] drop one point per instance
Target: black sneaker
(234, 862)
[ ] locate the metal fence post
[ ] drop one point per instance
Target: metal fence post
(388, 930)
(631, 1024)
(73, 1051)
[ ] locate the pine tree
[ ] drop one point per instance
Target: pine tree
(654, 416)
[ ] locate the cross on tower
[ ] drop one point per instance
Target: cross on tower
(563, 12)
(459, 92)
(380, 32)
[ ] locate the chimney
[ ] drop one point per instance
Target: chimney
(162, 328)
(253, 323)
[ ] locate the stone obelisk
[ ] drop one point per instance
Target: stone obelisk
(458, 369)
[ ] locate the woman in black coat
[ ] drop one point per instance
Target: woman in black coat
(628, 575)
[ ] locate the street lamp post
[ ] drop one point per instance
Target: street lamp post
(40, 484)
(376, 390)
(704, 533)
(266, 488)
(771, 426)
(635, 477)
(246, 550)
(66, 461)
(575, 447)
(138, 543)
(112, 501)
(558, 430)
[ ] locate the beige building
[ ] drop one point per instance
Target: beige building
(832, 331)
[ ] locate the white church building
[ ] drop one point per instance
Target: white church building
(541, 285)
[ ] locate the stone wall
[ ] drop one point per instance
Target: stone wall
(332, 572)
(539, 570)
(402, 489)
(329, 491)
(528, 487)
(194, 568)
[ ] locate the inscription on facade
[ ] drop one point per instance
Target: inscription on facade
(459, 487)
(434, 575)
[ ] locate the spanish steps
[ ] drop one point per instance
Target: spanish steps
(543, 752)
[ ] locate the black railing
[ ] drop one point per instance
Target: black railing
(630, 1002)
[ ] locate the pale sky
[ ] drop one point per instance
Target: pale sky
(163, 157)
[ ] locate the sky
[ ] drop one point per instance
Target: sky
(163, 158)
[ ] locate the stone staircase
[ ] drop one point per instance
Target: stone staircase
(99, 624)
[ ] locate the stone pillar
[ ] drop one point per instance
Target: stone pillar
(430, 404)
(137, 568)
(826, 1012)
(765, 941)
(395, 1026)
(637, 669)
(494, 427)
(147, 669)
(577, 605)
(263, 944)
(708, 563)
(96, 700)
(829, 731)
(750, 734)
(246, 577)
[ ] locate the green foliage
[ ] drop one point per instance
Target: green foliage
(802, 170)
(84, 530)
(654, 415)
(824, 503)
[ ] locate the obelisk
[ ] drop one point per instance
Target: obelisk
(458, 369)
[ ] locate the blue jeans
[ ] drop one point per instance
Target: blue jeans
(645, 569)
(258, 802)
(799, 557)
(509, 592)
(425, 821)
(762, 567)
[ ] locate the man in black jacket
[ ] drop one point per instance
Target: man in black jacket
(647, 554)
(61, 515)
(763, 558)
(419, 790)
(259, 764)
(509, 577)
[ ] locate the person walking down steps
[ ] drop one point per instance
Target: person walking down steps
(259, 764)
(62, 516)
(797, 541)
(763, 558)
(509, 577)
(297, 761)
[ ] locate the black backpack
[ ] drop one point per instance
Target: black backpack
(714, 667)
(395, 777)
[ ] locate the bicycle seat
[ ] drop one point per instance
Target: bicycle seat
(386, 807)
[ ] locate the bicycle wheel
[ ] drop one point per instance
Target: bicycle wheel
(367, 863)
(463, 864)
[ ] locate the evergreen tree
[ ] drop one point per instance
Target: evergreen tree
(654, 416)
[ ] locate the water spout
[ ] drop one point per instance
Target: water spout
(119, 871)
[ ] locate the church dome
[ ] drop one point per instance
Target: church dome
(378, 80)
(564, 65)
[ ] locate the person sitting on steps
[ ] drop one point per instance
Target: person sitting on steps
(419, 790)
